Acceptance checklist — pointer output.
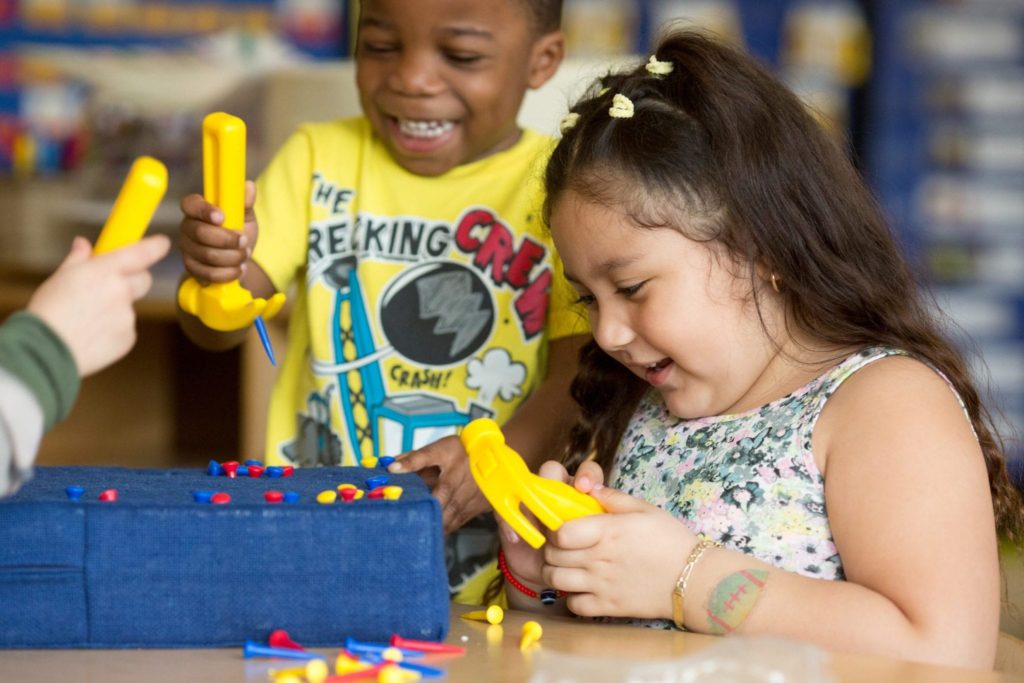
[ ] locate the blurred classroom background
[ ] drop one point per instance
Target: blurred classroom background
(927, 94)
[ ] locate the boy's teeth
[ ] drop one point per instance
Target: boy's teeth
(424, 129)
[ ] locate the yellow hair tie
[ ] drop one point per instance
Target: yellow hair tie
(568, 122)
(656, 68)
(622, 107)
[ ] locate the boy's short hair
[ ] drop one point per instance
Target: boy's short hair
(546, 15)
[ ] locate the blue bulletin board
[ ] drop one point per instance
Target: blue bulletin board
(946, 157)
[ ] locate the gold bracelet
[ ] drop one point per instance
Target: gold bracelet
(679, 592)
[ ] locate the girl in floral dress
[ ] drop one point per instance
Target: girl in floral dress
(784, 439)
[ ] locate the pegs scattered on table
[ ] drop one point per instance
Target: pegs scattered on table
(362, 648)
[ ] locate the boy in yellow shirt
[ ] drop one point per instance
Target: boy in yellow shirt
(427, 291)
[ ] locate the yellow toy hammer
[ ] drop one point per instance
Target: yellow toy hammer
(506, 482)
(226, 306)
(134, 207)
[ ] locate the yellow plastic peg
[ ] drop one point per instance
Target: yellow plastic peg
(315, 671)
(346, 664)
(226, 306)
(492, 615)
(532, 631)
(507, 483)
(135, 205)
(395, 674)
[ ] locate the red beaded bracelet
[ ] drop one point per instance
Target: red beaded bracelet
(546, 596)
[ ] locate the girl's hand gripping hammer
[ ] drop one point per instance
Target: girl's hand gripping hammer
(507, 484)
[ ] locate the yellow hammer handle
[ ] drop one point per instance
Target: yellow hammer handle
(135, 205)
(224, 166)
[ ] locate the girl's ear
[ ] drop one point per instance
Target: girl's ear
(767, 277)
(545, 58)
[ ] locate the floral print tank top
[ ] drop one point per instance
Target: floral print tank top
(747, 480)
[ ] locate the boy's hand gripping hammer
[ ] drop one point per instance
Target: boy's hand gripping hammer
(227, 306)
(506, 482)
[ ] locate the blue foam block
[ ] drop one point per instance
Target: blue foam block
(157, 569)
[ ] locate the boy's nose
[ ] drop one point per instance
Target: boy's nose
(415, 74)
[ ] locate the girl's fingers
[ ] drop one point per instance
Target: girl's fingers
(588, 475)
(554, 470)
(570, 580)
(568, 558)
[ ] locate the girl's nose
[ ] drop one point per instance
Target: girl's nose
(611, 332)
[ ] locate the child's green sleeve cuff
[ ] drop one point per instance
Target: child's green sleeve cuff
(31, 351)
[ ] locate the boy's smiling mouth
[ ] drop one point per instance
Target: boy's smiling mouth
(420, 137)
(424, 129)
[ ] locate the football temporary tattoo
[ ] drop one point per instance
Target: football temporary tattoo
(733, 599)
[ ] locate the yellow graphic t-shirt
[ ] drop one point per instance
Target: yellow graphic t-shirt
(420, 303)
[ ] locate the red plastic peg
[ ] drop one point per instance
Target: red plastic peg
(255, 471)
(110, 495)
(376, 494)
(273, 497)
(230, 468)
(425, 645)
(347, 495)
(220, 498)
(287, 471)
(280, 638)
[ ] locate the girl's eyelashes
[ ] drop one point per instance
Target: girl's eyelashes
(631, 289)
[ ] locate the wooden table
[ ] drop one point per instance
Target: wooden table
(492, 655)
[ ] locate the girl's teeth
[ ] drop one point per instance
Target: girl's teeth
(424, 129)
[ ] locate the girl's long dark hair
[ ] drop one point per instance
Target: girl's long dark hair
(721, 140)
